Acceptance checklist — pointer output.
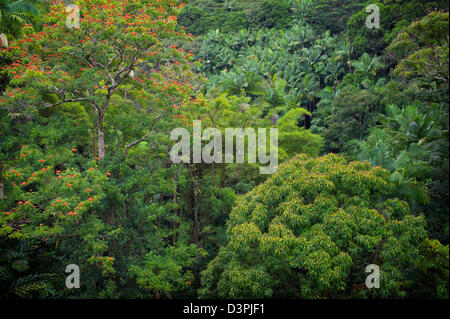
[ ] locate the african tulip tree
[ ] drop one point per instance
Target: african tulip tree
(116, 45)
(121, 71)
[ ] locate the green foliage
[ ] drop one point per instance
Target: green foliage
(412, 136)
(275, 14)
(166, 274)
(86, 176)
(421, 52)
(102, 211)
(326, 15)
(355, 112)
(294, 140)
(13, 14)
(433, 265)
(201, 16)
(303, 62)
(310, 230)
(394, 16)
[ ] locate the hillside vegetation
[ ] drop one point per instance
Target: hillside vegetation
(86, 176)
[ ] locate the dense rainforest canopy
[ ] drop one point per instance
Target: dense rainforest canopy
(86, 178)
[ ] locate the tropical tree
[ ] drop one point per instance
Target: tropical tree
(295, 139)
(242, 80)
(97, 63)
(366, 67)
(326, 110)
(86, 116)
(356, 111)
(394, 16)
(275, 95)
(311, 230)
(409, 142)
(421, 54)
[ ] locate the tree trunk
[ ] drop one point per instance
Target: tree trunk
(2, 194)
(193, 192)
(100, 135)
(174, 222)
(196, 222)
(94, 138)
